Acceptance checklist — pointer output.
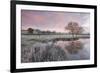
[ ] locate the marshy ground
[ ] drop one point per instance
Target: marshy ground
(43, 48)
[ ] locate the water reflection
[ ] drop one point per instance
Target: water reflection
(74, 46)
(76, 50)
(59, 50)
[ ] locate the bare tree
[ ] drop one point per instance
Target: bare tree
(74, 28)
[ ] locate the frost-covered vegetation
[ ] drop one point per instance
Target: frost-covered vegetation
(40, 52)
(33, 50)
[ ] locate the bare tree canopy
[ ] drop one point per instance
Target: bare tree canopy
(74, 28)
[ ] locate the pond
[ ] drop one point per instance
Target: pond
(77, 50)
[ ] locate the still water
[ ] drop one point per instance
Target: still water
(83, 49)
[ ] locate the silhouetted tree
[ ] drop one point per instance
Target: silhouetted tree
(30, 30)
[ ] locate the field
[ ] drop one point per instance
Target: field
(51, 37)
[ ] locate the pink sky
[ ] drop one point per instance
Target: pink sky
(53, 21)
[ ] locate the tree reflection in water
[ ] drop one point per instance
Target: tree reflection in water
(74, 46)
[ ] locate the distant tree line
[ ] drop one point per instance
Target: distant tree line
(73, 27)
(37, 31)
